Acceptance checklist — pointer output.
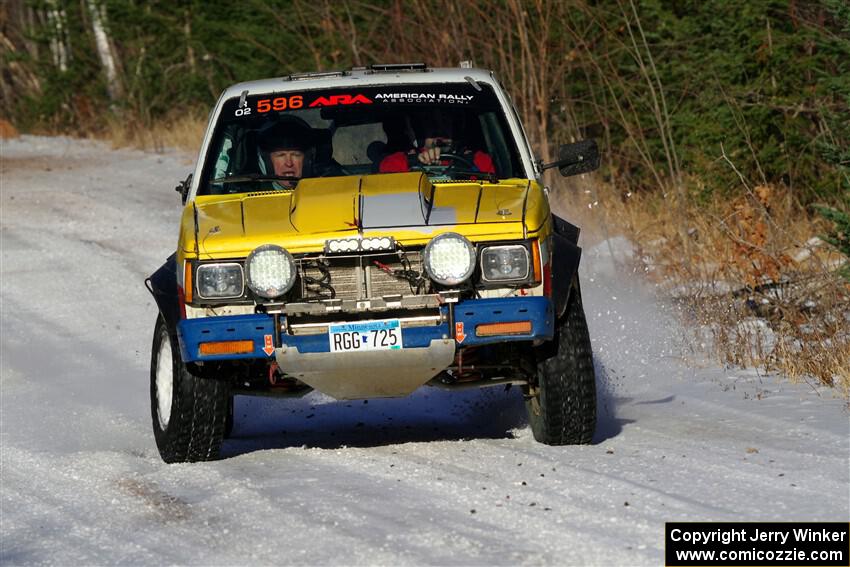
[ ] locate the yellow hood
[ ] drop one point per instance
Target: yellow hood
(404, 205)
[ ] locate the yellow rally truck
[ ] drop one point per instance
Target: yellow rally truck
(365, 233)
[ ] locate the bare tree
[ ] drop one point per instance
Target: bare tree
(104, 49)
(59, 47)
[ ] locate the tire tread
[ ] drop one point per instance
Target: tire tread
(198, 412)
(567, 383)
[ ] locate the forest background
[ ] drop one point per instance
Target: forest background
(724, 125)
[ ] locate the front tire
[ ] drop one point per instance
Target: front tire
(561, 405)
(189, 413)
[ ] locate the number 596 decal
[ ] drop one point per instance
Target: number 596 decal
(280, 103)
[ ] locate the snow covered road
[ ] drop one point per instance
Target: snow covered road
(436, 478)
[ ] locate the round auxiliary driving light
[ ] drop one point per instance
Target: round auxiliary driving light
(449, 259)
(270, 271)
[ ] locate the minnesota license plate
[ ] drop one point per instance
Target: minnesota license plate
(365, 335)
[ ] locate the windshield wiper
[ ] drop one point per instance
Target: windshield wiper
(254, 177)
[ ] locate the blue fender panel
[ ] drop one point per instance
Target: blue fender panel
(192, 332)
(475, 312)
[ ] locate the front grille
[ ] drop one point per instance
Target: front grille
(356, 277)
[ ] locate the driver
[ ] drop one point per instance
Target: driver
(437, 133)
(288, 147)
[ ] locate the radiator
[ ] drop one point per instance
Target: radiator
(355, 277)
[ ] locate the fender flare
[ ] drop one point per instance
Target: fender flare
(163, 286)
(566, 255)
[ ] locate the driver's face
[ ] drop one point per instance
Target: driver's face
(288, 163)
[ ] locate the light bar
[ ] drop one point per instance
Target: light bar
(514, 328)
(226, 347)
(368, 244)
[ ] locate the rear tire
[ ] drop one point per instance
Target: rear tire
(189, 413)
(561, 406)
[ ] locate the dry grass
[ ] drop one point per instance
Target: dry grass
(7, 130)
(184, 132)
(756, 279)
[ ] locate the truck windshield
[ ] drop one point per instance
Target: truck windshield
(449, 131)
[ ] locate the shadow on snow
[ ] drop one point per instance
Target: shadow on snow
(426, 415)
(429, 414)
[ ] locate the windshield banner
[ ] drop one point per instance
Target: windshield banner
(408, 95)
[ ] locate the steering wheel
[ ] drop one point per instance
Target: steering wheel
(456, 162)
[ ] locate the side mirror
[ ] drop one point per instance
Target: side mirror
(183, 188)
(576, 158)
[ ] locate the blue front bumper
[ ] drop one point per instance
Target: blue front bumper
(466, 317)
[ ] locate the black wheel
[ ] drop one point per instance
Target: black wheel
(561, 405)
(189, 413)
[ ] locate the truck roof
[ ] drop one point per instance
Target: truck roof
(390, 74)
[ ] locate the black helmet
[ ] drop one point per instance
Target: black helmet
(288, 133)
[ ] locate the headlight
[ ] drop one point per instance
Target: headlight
(449, 259)
(220, 281)
(504, 263)
(270, 271)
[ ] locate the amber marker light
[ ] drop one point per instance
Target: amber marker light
(514, 328)
(226, 347)
(535, 257)
(187, 282)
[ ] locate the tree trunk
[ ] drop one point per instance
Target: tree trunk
(58, 45)
(104, 52)
(187, 33)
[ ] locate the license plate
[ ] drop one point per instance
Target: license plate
(365, 335)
